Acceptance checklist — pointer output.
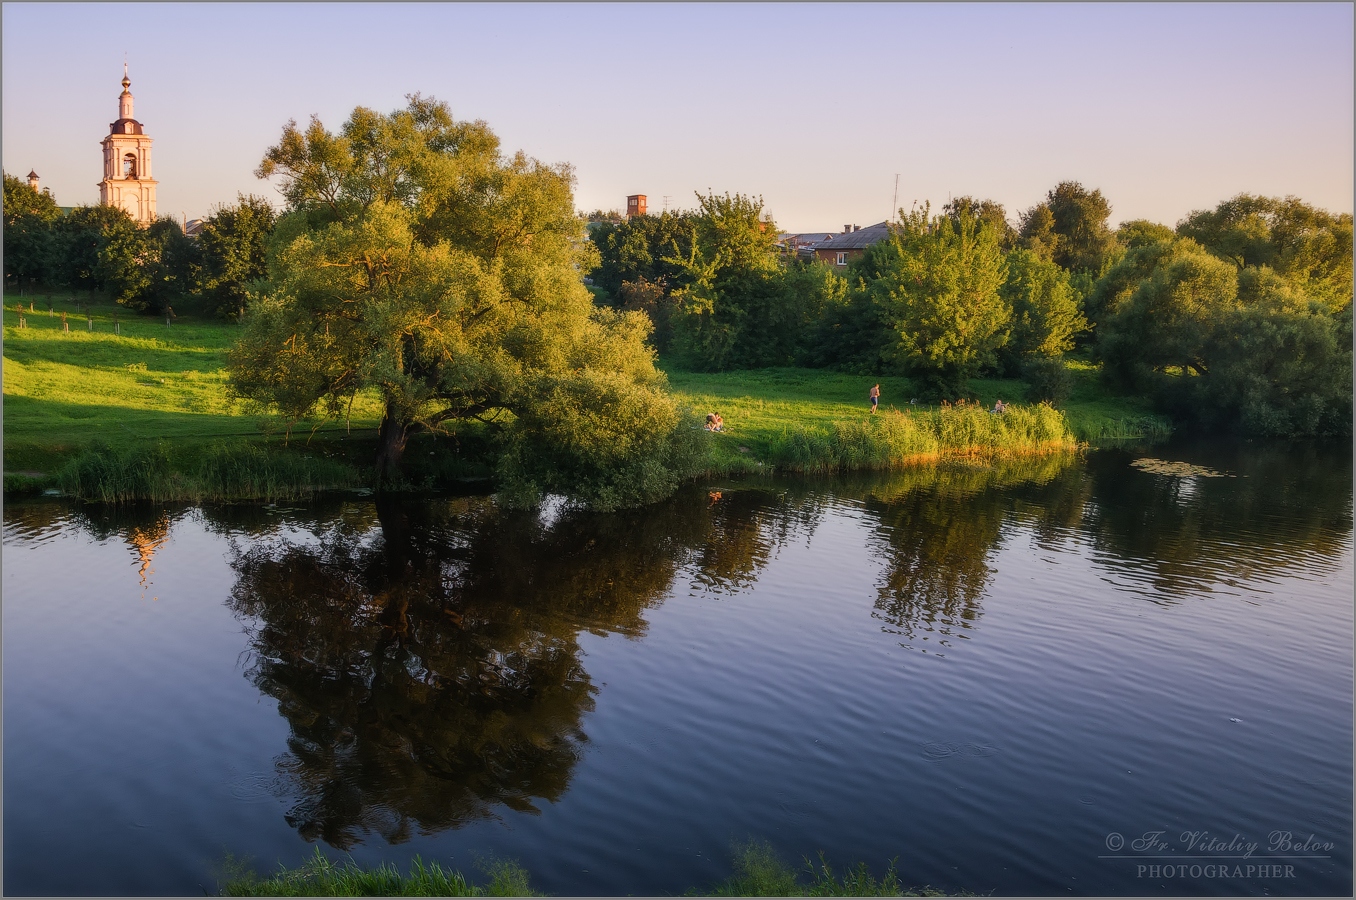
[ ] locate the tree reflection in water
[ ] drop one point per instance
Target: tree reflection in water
(426, 654)
(432, 672)
(939, 526)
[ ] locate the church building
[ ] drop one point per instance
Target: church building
(127, 163)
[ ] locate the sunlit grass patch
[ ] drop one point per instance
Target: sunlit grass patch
(64, 391)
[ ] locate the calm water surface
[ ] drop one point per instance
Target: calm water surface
(1046, 678)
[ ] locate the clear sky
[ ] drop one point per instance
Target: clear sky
(816, 107)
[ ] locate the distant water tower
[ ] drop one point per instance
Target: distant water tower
(635, 205)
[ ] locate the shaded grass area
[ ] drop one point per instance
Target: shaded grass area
(758, 872)
(319, 877)
(226, 472)
(1096, 415)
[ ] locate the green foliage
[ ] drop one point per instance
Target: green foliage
(738, 309)
(107, 476)
(1225, 348)
(21, 201)
(1109, 292)
(31, 254)
(1045, 308)
(19, 485)
(656, 249)
(420, 263)
(233, 244)
(893, 439)
(320, 877)
(1275, 370)
(229, 472)
(1069, 228)
(1310, 247)
(1165, 320)
(659, 306)
(760, 873)
(937, 283)
(1141, 232)
(850, 334)
(1048, 380)
(991, 211)
(595, 437)
(80, 239)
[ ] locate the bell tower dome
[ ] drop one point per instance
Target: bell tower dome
(127, 179)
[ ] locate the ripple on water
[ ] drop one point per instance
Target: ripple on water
(937, 751)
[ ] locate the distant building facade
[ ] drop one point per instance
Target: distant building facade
(127, 179)
(635, 205)
(800, 244)
(840, 249)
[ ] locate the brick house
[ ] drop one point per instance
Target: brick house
(840, 249)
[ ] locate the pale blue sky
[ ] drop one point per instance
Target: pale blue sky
(1165, 107)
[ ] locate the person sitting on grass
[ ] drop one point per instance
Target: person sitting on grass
(998, 408)
(713, 422)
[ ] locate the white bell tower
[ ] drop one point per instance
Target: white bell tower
(127, 163)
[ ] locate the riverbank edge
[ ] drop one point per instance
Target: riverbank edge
(758, 872)
(245, 472)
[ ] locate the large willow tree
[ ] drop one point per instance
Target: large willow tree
(418, 261)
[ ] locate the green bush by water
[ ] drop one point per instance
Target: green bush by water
(18, 485)
(759, 873)
(319, 877)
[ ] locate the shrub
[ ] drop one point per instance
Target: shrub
(1047, 380)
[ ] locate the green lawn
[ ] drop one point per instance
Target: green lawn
(761, 405)
(64, 390)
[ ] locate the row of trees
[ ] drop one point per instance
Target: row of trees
(100, 249)
(1240, 316)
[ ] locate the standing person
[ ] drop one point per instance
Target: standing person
(875, 398)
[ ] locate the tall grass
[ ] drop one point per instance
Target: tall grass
(892, 439)
(759, 873)
(319, 877)
(1124, 428)
(228, 472)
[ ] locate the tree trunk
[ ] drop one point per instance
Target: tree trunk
(390, 445)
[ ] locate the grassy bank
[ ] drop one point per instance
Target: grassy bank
(810, 420)
(319, 877)
(144, 412)
(757, 873)
(63, 391)
(763, 407)
(225, 472)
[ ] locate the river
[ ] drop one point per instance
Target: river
(1082, 675)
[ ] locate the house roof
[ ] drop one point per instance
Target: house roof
(802, 238)
(855, 240)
